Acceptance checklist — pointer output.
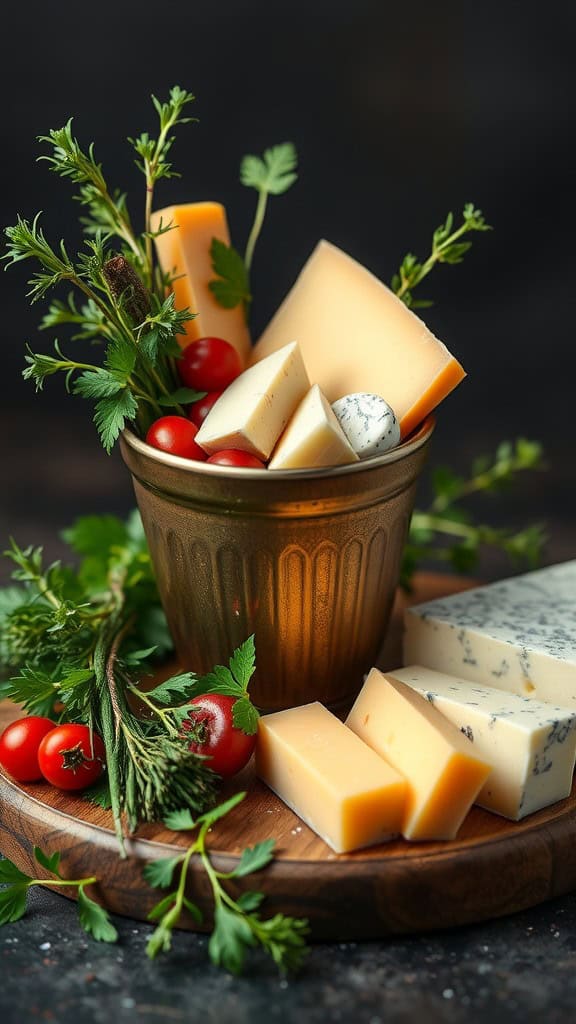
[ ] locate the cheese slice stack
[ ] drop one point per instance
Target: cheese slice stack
(531, 746)
(333, 781)
(313, 437)
(185, 252)
(443, 772)
(356, 335)
(254, 409)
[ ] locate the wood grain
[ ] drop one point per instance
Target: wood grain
(494, 867)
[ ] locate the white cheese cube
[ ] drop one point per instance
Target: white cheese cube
(313, 437)
(517, 635)
(530, 745)
(253, 411)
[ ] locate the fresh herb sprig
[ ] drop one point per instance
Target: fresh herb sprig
(446, 248)
(271, 175)
(77, 637)
(238, 926)
(123, 291)
(93, 918)
(447, 532)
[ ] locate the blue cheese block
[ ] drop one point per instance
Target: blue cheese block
(530, 745)
(368, 422)
(517, 635)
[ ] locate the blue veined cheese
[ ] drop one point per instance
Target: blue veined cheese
(517, 635)
(530, 745)
(368, 422)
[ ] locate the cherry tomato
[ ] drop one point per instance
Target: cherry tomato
(175, 434)
(213, 734)
(19, 747)
(209, 364)
(71, 757)
(234, 457)
(199, 410)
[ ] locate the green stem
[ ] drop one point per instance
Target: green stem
(424, 521)
(49, 881)
(256, 228)
(434, 258)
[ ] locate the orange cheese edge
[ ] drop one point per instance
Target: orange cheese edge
(185, 251)
(443, 773)
(330, 779)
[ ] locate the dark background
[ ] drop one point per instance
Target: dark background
(399, 113)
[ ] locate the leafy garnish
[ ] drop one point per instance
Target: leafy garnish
(237, 925)
(93, 918)
(445, 249)
(232, 285)
(446, 531)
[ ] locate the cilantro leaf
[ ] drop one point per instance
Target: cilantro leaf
(274, 173)
(230, 940)
(243, 662)
(111, 415)
(159, 873)
(250, 901)
(11, 875)
(95, 919)
(52, 863)
(182, 396)
(254, 858)
(13, 903)
(174, 689)
(245, 716)
(179, 821)
(231, 286)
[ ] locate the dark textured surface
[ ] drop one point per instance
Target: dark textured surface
(517, 970)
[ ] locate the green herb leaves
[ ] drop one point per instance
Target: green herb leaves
(93, 918)
(237, 925)
(445, 249)
(271, 174)
(447, 532)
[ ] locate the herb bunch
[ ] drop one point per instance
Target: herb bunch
(75, 639)
(237, 924)
(447, 532)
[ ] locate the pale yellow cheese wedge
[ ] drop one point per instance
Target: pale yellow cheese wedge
(185, 251)
(356, 335)
(443, 772)
(255, 408)
(313, 437)
(333, 781)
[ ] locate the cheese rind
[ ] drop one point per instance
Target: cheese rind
(254, 409)
(517, 635)
(356, 335)
(531, 746)
(313, 437)
(185, 252)
(333, 781)
(443, 772)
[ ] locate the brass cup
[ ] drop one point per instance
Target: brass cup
(307, 560)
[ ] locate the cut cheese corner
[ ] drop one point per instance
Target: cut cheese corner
(356, 335)
(184, 252)
(313, 437)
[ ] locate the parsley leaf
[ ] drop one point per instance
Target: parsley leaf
(182, 396)
(254, 858)
(231, 286)
(111, 415)
(230, 939)
(274, 172)
(158, 873)
(94, 919)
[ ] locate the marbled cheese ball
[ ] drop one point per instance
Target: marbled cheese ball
(368, 422)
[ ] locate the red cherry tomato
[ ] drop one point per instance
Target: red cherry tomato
(210, 726)
(175, 434)
(234, 457)
(209, 364)
(71, 757)
(199, 410)
(19, 745)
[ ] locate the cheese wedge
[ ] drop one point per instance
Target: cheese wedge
(330, 779)
(254, 409)
(185, 252)
(356, 335)
(439, 763)
(313, 437)
(531, 746)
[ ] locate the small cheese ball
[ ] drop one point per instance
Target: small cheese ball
(368, 422)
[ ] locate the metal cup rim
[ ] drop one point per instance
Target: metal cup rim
(190, 467)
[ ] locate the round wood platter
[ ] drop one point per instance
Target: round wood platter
(494, 867)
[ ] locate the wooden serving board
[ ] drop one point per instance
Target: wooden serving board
(494, 867)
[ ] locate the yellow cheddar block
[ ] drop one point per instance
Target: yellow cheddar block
(443, 773)
(333, 781)
(185, 252)
(357, 336)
